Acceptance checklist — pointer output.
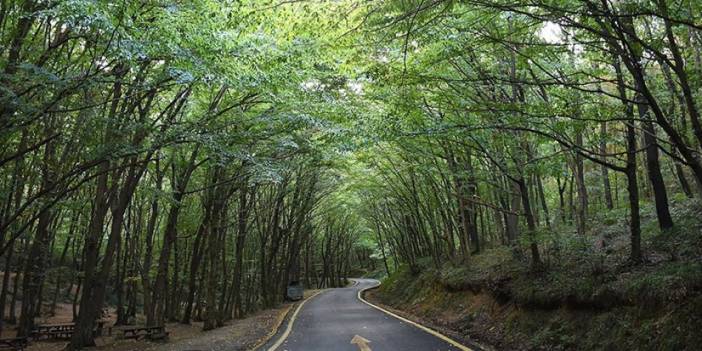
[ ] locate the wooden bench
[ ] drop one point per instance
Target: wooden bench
(53, 331)
(53, 327)
(55, 335)
(61, 331)
(151, 333)
(15, 344)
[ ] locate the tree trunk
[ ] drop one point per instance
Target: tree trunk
(5, 283)
(86, 316)
(579, 173)
(37, 259)
(607, 188)
(633, 189)
(531, 223)
(179, 184)
(195, 260)
(239, 247)
(632, 186)
(653, 167)
(95, 285)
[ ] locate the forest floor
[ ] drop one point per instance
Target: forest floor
(238, 334)
(587, 296)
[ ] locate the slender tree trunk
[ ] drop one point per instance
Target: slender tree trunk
(241, 234)
(633, 64)
(12, 318)
(5, 283)
(542, 197)
(561, 197)
(471, 192)
(531, 223)
(653, 168)
(579, 172)
(179, 185)
(89, 303)
(633, 189)
(39, 251)
(95, 289)
(632, 186)
(606, 186)
(195, 260)
(66, 245)
(149, 309)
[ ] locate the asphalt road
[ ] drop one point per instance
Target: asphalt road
(333, 319)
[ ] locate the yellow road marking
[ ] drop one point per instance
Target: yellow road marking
(288, 329)
(428, 330)
(274, 331)
(361, 342)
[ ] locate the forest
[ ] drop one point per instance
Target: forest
(179, 161)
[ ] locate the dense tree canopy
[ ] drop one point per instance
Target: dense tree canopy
(189, 159)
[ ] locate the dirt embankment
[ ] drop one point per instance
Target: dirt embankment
(655, 307)
(586, 295)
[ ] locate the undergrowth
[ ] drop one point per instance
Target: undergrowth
(586, 297)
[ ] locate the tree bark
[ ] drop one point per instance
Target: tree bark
(653, 167)
(606, 186)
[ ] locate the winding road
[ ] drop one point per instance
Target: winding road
(337, 320)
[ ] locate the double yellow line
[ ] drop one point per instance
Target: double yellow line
(359, 295)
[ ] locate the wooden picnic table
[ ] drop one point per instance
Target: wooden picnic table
(54, 327)
(15, 344)
(61, 331)
(53, 331)
(152, 333)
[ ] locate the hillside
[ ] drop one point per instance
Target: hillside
(587, 297)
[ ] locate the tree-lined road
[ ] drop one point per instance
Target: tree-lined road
(337, 320)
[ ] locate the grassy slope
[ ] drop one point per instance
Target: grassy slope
(587, 298)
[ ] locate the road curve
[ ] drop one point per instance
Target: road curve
(335, 318)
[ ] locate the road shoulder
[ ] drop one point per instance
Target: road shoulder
(283, 328)
(367, 296)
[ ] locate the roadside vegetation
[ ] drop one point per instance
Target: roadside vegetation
(585, 299)
(533, 192)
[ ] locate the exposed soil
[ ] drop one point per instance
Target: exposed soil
(467, 315)
(439, 322)
(241, 334)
